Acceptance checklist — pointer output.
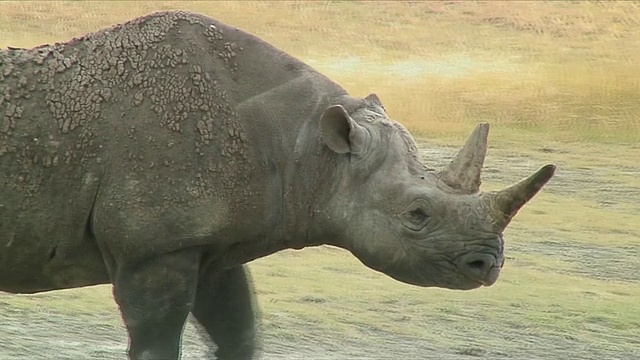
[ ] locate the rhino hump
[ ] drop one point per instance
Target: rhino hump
(122, 92)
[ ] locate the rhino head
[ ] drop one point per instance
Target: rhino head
(414, 224)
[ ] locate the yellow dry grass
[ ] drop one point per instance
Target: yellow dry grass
(552, 70)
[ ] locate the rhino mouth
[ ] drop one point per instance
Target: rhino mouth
(491, 277)
(466, 283)
(472, 282)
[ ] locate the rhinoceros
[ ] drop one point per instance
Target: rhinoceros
(164, 154)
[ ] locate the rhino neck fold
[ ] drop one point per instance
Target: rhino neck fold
(308, 186)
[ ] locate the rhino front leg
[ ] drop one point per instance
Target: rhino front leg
(155, 297)
(225, 306)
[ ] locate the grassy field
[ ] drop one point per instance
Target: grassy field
(558, 81)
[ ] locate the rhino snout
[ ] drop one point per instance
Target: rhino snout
(482, 268)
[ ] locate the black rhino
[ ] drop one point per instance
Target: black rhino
(163, 154)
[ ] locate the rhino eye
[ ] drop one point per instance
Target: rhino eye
(415, 219)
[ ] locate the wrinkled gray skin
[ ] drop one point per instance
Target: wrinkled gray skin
(163, 154)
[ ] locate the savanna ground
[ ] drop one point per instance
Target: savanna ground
(558, 81)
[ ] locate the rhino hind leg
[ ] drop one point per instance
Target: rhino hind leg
(155, 297)
(225, 306)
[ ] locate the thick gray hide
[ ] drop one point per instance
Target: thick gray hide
(169, 131)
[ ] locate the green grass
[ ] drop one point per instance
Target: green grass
(351, 298)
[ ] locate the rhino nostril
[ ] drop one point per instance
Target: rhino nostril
(476, 264)
(480, 267)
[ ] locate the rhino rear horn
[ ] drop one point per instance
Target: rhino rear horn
(506, 203)
(463, 173)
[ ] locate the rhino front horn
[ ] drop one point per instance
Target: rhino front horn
(506, 203)
(463, 173)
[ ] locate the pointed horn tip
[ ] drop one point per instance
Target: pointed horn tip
(550, 167)
(483, 125)
(535, 182)
(509, 201)
(545, 173)
(481, 129)
(463, 172)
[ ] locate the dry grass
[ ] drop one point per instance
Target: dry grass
(558, 81)
(562, 71)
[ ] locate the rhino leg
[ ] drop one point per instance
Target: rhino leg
(155, 297)
(225, 306)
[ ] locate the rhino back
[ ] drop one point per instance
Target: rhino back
(145, 131)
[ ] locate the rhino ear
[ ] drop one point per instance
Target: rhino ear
(341, 133)
(373, 98)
